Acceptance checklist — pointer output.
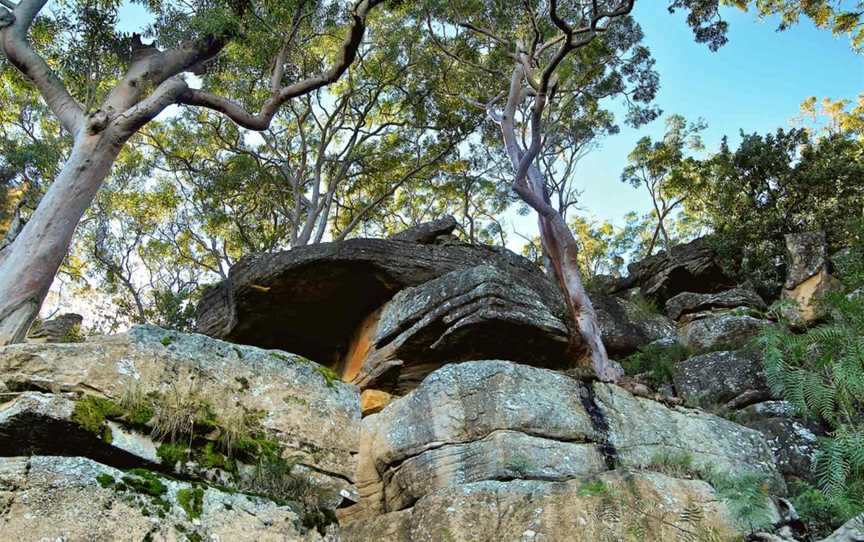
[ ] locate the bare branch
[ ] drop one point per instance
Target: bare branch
(8, 4)
(14, 44)
(261, 121)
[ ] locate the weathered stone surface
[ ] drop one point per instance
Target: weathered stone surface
(313, 418)
(808, 277)
(627, 507)
(76, 499)
(793, 443)
(718, 331)
(806, 256)
(689, 302)
(626, 326)
(493, 420)
(718, 377)
(372, 401)
(476, 313)
(691, 267)
(40, 423)
(63, 329)
(311, 300)
(852, 531)
(427, 232)
(639, 430)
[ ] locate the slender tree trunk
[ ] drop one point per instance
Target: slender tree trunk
(32, 260)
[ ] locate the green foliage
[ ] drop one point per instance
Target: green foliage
(192, 501)
(747, 497)
(824, 514)
(772, 185)
(91, 412)
(821, 373)
(656, 361)
(593, 488)
(105, 480)
(144, 482)
(674, 463)
(171, 453)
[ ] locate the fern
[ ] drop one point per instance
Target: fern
(821, 374)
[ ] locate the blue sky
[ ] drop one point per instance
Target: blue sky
(755, 83)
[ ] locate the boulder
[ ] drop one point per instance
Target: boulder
(74, 498)
(808, 277)
(720, 330)
(794, 444)
(851, 531)
(689, 267)
(718, 377)
(621, 506)
(428, 232)
(466, 314)
(627, 325)
(154, 379)
(65, 328)
(312, 300)
(496, 420)
(690, 302)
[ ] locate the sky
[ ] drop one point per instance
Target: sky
(755, 83)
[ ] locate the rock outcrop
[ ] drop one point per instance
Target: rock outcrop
(719, 377)
(691, 302)
(808, 277)
(726, 330)
(689, 267)
(612, 506)
(74, 498)
(62, 329)
(627, 326)
(483, 421)
(134, 400)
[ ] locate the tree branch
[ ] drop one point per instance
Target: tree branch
(261, 121)
(14, 44)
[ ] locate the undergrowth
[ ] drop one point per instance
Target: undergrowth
(656, 362)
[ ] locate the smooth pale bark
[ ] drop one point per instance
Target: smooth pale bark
(31, 262)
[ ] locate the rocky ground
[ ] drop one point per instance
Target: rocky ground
(440, 407)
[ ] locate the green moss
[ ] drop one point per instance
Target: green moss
(166, 340)
(280, 356)
(194, 537)
(210, 458)
(145, 482)
(105, 480)
(140, 414)
(171, 453)
(593, 488)
(91, 412)
(192, 501)
(330, 376)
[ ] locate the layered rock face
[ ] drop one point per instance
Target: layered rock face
(174, 406)
(808, 277)
(486, 430)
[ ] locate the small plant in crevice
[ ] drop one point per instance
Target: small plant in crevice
(656, 361)
(677, 464)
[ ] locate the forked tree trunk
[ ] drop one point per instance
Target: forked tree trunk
(563, 252)
(28, 266)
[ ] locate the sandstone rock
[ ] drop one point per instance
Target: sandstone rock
(718, 331)
(311, 300)
(476, 313)
(38, 423)
(313, 418)
(689, 302)
(626, 325)
(718, 377)
(63, 329)
(427, 232)
(793, 443)
(808, 277)
(626, 507)
(852, 531)
(495, 420)
(73, 498)
(372, 401)
(691, 267)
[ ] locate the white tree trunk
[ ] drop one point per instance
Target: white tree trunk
(30, 263)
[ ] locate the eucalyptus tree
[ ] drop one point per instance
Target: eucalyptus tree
(522, 60)
(110, 85)
(654, 165)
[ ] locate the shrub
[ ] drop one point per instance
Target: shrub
(656, 361)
